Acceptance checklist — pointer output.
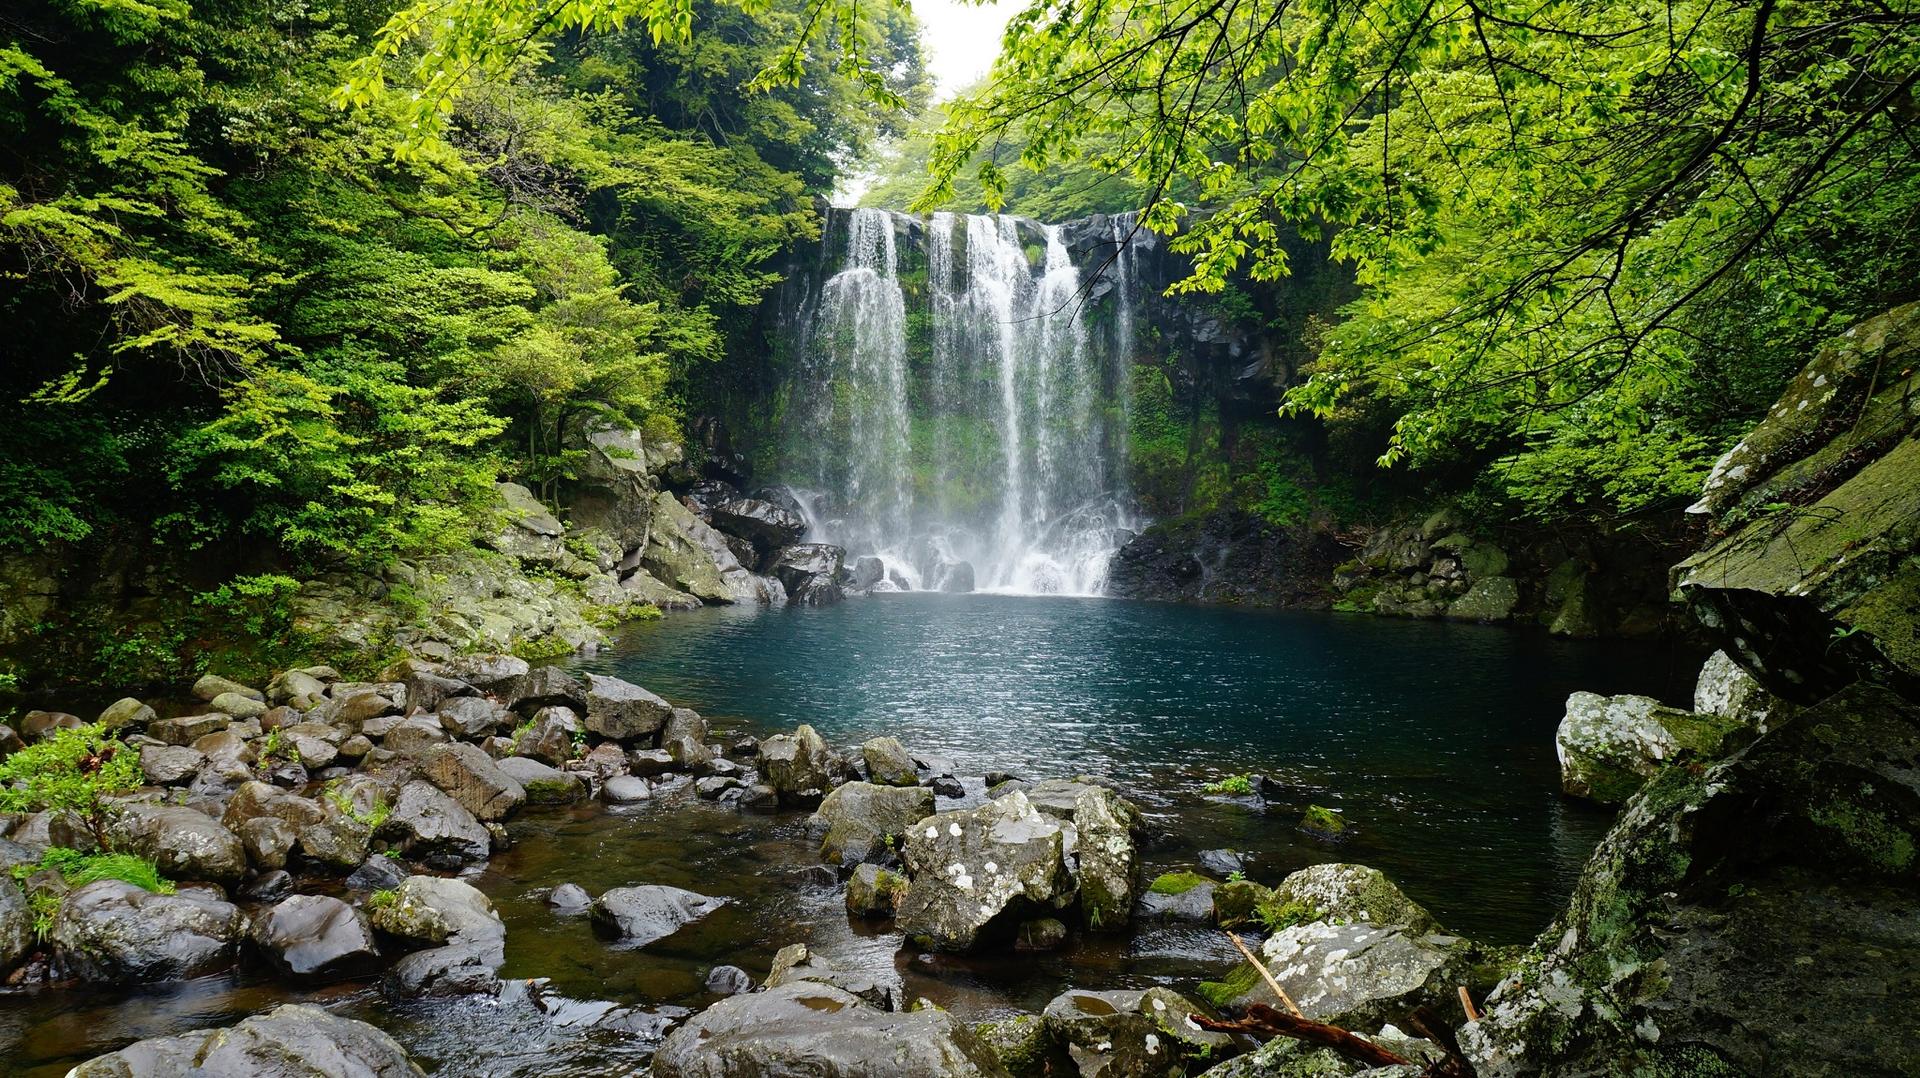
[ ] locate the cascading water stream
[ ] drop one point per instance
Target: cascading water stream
(965, 425)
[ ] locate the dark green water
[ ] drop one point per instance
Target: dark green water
(1435, 741)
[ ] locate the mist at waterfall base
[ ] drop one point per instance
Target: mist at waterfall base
(958, 408)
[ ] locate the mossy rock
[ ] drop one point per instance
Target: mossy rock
(1024, 1047)
(1323, 822)
(1237, 902)
(1176, 883)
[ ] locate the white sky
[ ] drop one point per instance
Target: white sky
(960, 40)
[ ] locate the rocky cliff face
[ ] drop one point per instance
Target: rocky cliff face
(1754, 915)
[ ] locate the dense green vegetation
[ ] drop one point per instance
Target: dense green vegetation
(269, 336)
(1593, 239)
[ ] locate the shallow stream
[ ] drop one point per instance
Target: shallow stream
(1433, 740)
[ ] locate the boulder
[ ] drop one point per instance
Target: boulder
(544, 785)
(866, 823)
(873, 891)
(240, 707)
(622, 710)
(1726, 689)
(676, 556)
(268, 842)
(212, 686)
(115, 932)
(822, 1032)
(1108, 862)
(295, 1040)
(471, 777)
(187, 729)
(977, 873)
(429, 824)
(626, 790)
(1490, 599)
(548, 736)
(1609, 745)
(470, 716)
(314, 936)
(1177, 896)
(415, 735)
(729, 981)
(431, 910)
(184, 843)
(1353, 950)
(1815, 581)
(796, 962)
(487, 673)
(766, 525)
(889, 763)
(637, 916)
(125, 713)
(377, 873)
(811, 573)
(314, 744)
(542, 687)
(1146, 1034)
(799, 766)
(1222, 863)
(170, 765)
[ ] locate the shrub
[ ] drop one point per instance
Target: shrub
(68, 771)
(1232, 784)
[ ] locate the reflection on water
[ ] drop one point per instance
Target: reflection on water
(1435, 740)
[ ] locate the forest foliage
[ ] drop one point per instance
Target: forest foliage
(246, 317)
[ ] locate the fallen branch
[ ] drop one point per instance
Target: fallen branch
(1261, 968)
(1264, 1021)
(1466, 1004)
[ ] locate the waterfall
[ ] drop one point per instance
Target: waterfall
(954, 415)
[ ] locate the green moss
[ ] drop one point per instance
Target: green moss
(1175, 883)
(1870, 834)
(1237, 983)
(1278, 916)
(380, 900)
(1324, 821)
(1238, 902)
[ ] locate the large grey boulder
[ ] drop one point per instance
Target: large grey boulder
(811, 573)
(315, 936)
(637, 916)
(800, 767)
(1609, 745)
(548, 736)
(975, 874)
(867, 823)
(1726, 689)
(114, 932)
(1108, 862)
(766, 525)
(472, 778)
(170, 765)
(889, 763)
(184, 843)
(677, 557)
(622, 710)
(295, 1040)
(427, 823)
(817, 1030)
(435, 910)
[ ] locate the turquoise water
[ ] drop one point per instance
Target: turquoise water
(1434, 739)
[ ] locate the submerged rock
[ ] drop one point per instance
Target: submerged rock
(637, 916)
(292, 1041)
(822, 1032)
(977, 873)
